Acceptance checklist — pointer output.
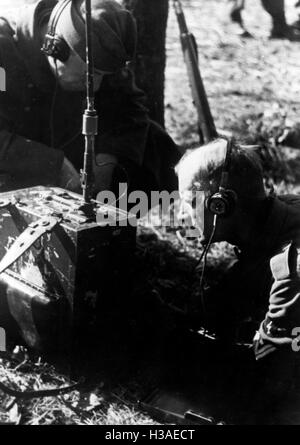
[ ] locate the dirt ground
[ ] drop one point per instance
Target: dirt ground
(254, 91)
(243, 78)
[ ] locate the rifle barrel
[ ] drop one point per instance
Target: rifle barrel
(207, 126)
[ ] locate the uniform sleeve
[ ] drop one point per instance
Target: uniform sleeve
(283, 316)
(124, 122)
(28, 162)
(22, 160)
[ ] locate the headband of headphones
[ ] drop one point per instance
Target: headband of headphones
(56, 13)
(114, 34)
(226, 166)
(54, 46)
(222, 203)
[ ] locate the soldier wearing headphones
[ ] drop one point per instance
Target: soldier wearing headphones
(261, 290)
(43, 51)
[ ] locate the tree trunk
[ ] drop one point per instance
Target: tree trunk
(152, 17)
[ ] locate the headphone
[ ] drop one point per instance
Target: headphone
(222, 203)
(54, 46)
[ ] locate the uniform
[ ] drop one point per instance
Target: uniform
(258, 303)
(40, 123)
(283, 315)
(263, 284)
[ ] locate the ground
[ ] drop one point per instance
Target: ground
(254, 91)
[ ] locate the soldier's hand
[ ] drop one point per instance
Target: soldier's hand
(104, 168)
(69, 177)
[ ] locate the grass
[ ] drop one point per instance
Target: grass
(253, 87)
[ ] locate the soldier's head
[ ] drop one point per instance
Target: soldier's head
(114, 41)
(225, 179)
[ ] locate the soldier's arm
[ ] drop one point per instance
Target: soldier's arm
(24, 159)
(123, 127)
(123, 123)
(24, 162)
(21, 159)
(283, 315)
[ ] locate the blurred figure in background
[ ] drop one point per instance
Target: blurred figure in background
(276, 9)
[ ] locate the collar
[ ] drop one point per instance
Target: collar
(270, 230)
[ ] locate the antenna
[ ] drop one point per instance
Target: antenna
(90, 117)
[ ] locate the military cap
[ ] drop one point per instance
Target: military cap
(114, 32)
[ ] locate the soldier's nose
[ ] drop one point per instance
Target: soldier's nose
(190, 229)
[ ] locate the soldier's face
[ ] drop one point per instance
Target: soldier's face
(192, 203)
(71, 74)
(193, 210)
(196, 217)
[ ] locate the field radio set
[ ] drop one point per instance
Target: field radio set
(57, 263)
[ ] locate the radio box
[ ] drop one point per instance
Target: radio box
(57, 264)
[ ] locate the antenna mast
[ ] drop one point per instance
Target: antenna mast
(90, 117)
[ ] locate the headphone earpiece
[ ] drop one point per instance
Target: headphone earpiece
(222, 203)
(54, 46)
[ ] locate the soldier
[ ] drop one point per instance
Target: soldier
(263, 284)
(275, 8)
(41, 110)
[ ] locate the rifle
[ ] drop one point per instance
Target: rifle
(207, 128)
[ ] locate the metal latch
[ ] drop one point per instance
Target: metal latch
(30, 236)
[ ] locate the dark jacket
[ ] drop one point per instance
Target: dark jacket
(283, 315)
(262, 287)
(40, 123)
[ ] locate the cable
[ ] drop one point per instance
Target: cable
(52, 135)
(208, 244)
(70, 140)
(27, 395)
(204, 258)
(52, 130)
(199, 261)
